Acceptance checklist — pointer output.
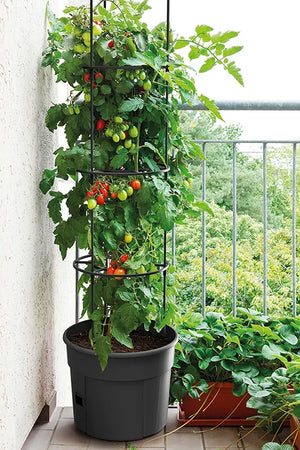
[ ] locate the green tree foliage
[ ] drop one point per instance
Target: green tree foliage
(249, 263)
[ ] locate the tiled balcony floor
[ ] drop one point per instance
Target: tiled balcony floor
(60, 434)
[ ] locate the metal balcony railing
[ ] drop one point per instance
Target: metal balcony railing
(250, 106)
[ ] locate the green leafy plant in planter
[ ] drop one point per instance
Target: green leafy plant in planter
(131, 212)
(221, 349)
(277, 397)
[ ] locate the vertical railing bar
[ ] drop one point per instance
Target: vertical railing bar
(294, 229)
(234, 218)
(265, 226)
(204, 233)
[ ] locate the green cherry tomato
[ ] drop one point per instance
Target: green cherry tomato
(87, 97)
(129, 191)
(118, 119)
(122, 195)
(116, 137)
(140, 83)
(133, 132)
(120, 147)
(128, 143)
(77, 109)
(147, 85)
(113, 188)
(71, 110)
(143, 75)
(122, 135)
(109, 132)
(92, 203)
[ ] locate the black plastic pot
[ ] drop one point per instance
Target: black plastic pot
(126, 401)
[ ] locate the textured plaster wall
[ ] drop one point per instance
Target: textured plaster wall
(35, 284)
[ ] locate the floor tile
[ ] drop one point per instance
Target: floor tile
(52, 422)
(38, 440)
(154, 441)
(67, 434)
(67, 413)
(186, 441)
(173, 424)
(96, 444)
(67, 447)
(221, 437)
(256, 438)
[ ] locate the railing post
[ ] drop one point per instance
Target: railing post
(234, 217)
(203, 233)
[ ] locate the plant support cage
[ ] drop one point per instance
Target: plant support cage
(81, 262)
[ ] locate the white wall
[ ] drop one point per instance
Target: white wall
(32, 276)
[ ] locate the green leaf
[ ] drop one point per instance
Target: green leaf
(54, 116)
(235, 72)
(232, 50)
(48, 180)
(131, 105)
(287, 333)
(181, 43)
(178, 390)
(119, 159)
(210, 104)
(124, 320)
(203, 29)
(195, 52)
(109, 239)
(296, 411)
(204, 206)
(208, 65)
(72, 129)
(54, 208)
(224, 37)
(275, 446)
(102, 349)
(105, 89)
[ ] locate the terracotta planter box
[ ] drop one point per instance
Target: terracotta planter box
(220, 407)
(295, 429)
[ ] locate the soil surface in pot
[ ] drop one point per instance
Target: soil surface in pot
(142, 341)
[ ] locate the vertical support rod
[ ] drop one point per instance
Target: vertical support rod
(234, 227)
(265, 220)
(92, 150)
(203, 233)
(166, 157)
(294, 229)
(76, 284)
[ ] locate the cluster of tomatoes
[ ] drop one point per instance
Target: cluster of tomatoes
(101, 190)
(139, 77)
(115, 267)
(98, 77)
(118, 130)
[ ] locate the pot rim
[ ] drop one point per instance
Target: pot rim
(141, 354)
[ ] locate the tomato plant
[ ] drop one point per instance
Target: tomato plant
(130, 212)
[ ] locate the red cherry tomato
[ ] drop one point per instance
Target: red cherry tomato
(104, 192)
(110, 271)
(112, 263)
(90, 194)
(99, 74)
(87, 77)
(100, 124)
(135, 184)
(124, 258)
(114, 194)
(119, 272)
(100, 199)
(94, 189)
(111, 44)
